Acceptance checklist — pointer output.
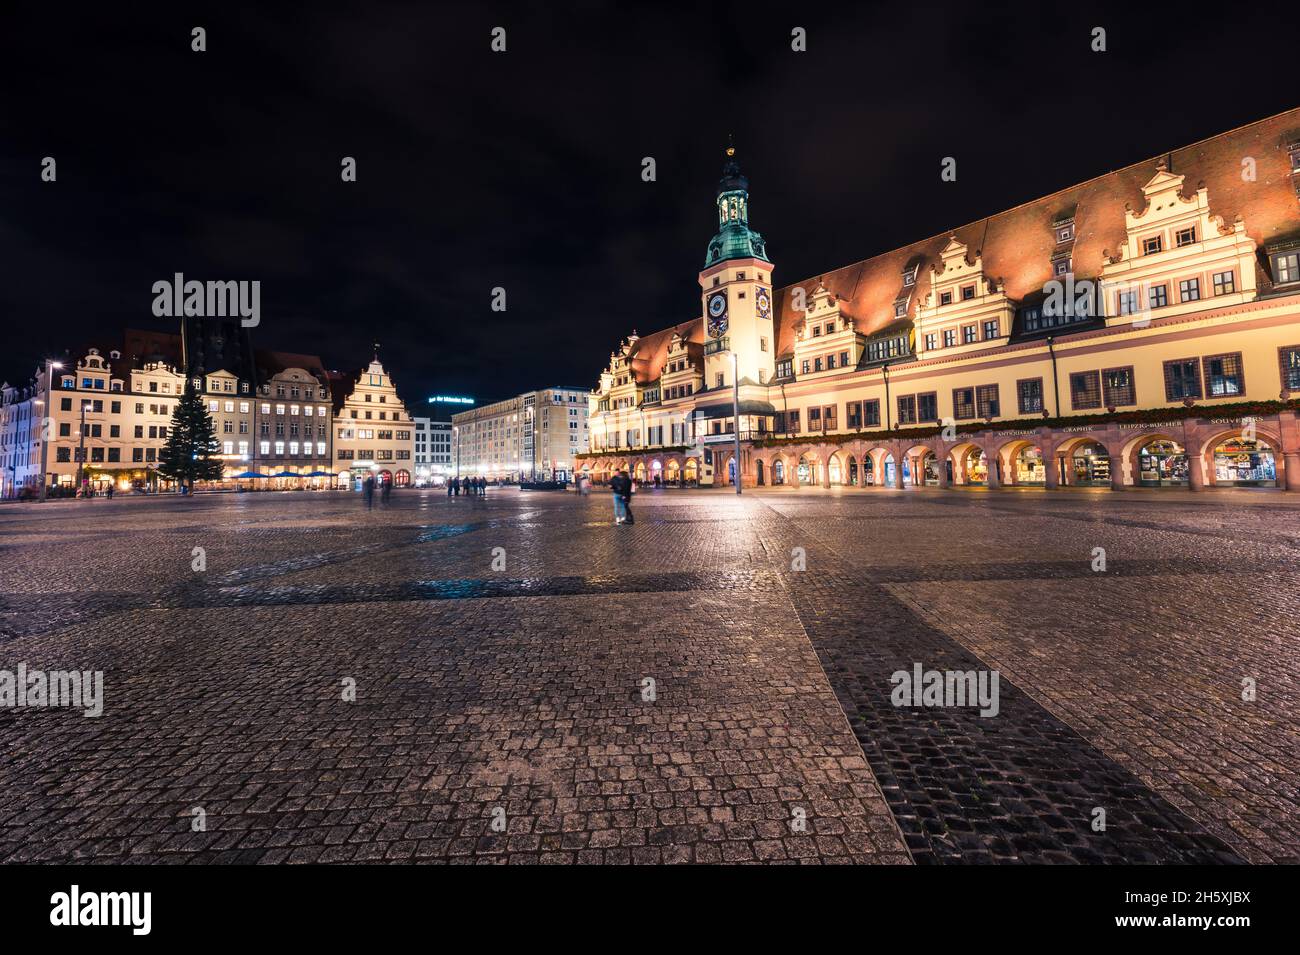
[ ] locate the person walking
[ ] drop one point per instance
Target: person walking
(621, 486)
(368, 491)
(449, 489)
(386, 492)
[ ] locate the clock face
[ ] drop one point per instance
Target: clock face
(764, 303)
(717, 304)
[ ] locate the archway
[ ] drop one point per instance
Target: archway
(639, 473)
(384, 477)
(345, 480)
(853, 471)
(673, 472)
(926, 466)
(1243, 462)
(403, 478)
(808, 470)
(890, 475)
(834, 470)
(1087, 464)
(1161, 462)
(731, 471)
(975, 465)
(692, 471)
(1027, 465)
(868, 470)
(778, 471)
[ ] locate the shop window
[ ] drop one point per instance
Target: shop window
(1223, 375)
(1182, 379)
(1117, 387)
(1085, 390)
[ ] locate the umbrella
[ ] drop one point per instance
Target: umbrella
(251, 474)
(320, 474)
(286, 474)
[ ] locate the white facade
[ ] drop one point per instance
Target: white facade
(533, 436)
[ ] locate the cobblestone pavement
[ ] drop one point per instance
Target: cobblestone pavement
(516, 696)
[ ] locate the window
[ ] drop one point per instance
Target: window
(967, 293)
(1060, 266)
(830, 361)
(1289, 359)
(1029, 395)
(991, 329)
(1085, 390)
(968, 334)
(927, 407)
(900, 309)
(1128, 302)
(1223, 375)
(1286, 267)
(1117, 387)
(793, 417)
(907, 409)
(762, 344)
(1182, 379)
(844, 359)
(949, 337)
(1189, 290)
(1064, 233)
(931, 341)
(986, 401)
(853, 414)
(871, 412)
(1184, 237)
(945, 298)
(817, 331)
(1158, 296)
(963, 403)
(1224, 283)
(1151, 245)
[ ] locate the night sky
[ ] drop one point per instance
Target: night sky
(523, 169)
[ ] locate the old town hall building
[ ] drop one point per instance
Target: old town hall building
(1139, 329)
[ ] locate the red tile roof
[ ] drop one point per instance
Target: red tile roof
(1017, 244)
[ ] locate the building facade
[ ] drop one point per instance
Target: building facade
(535, 436)
(294, 417)
(1140, 329)
(373, 432)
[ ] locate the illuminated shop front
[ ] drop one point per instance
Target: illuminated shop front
(1162, 463)
(1028, 466)
(1244, 464)
(1091, 465)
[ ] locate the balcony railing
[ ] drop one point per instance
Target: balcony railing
(717, 345)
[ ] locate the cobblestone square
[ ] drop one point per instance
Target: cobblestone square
(534, 684)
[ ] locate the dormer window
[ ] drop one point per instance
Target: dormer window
(1295, 157)
(1151, 245)
(909, 276)
(1286, 267)
(1061, 266)
(900, 310)
(1064, 233)
(945, 298)
(1184, 237)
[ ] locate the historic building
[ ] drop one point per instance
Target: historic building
(531, 437)
(1139, 329)
(373, 433)
(293, 417)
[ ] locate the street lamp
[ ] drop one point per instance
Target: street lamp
(81, 449)
(46, 427)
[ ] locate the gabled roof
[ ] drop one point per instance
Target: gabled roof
(1017, 245)
(649, 354)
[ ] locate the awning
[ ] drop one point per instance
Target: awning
(250, 474)
(749, 407)
(286, 474)
(320, 474)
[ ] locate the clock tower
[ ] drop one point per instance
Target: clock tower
(736, 290)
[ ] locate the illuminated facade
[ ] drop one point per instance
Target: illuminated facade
(534, 436)
(1140, 329)
(373, 432)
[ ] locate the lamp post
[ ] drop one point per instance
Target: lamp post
(1056, 387)
(81, 447)
(456, 429)
(47, 423)
(735, 411)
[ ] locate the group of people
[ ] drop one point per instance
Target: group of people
(622, 487)
(368, 491)
(476, 486)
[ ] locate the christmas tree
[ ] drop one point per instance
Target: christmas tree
(190, 452)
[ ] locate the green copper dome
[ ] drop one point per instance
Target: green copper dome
(735, 239)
